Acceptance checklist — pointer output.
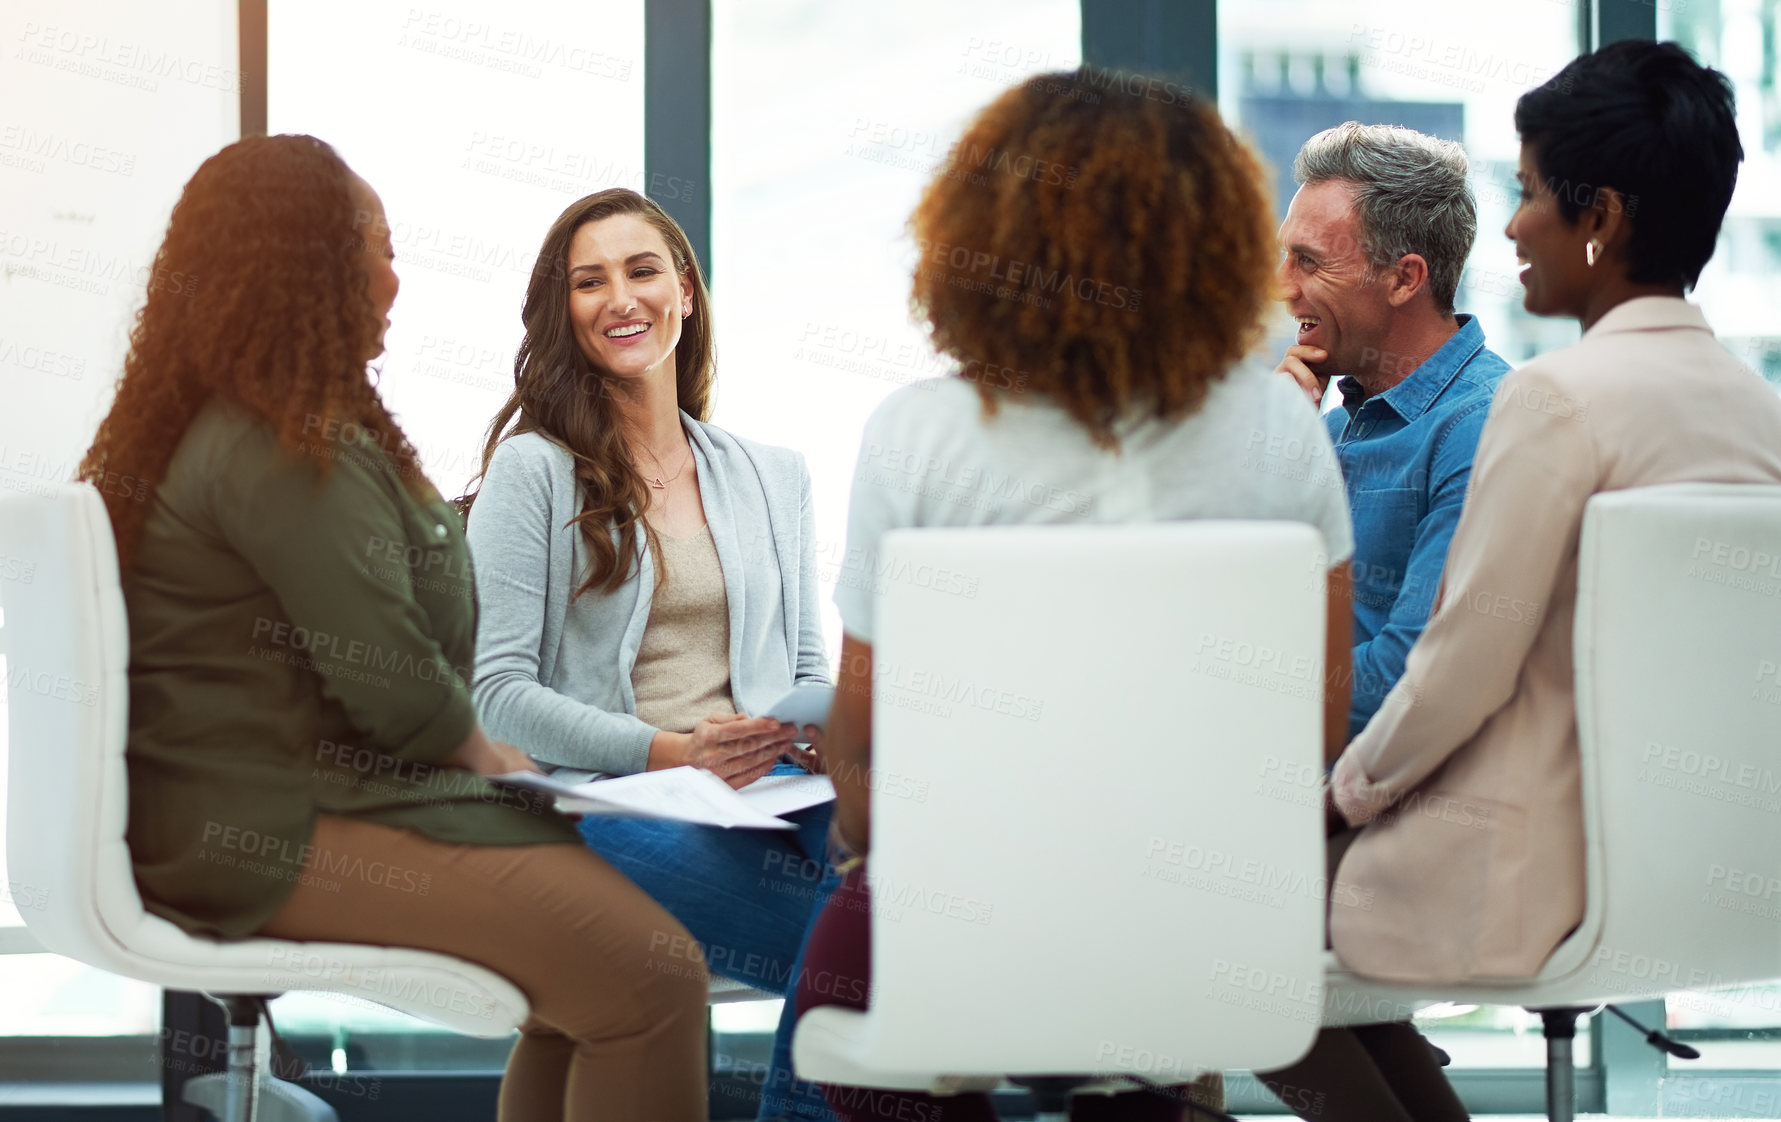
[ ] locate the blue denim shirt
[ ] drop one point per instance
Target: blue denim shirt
(1406, 457)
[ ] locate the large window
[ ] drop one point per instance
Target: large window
(1289, 68)
(1741, 287)
(109, 107)
(476, 125)
(1740, 290)
(827, 121)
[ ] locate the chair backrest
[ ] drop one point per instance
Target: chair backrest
(66, 641)
(1085, 740)
(1678, 661)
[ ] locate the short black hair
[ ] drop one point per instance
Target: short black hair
(1649, 121)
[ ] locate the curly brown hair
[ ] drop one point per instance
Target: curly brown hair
(269, 227)
(1102, 234)
(558, 393)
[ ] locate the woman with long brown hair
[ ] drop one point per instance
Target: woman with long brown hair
(647, 582)
(304, 759)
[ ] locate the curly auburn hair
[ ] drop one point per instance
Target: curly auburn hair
(270, 227)
(1104, 235)
(560, 394)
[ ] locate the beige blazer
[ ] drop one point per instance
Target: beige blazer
(1471, 862)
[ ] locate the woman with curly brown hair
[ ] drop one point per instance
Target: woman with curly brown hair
(304, 759)
(1096, 258)
(648, 587)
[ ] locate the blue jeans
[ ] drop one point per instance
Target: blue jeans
(749, 897)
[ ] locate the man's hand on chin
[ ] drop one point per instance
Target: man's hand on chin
(1296, 366)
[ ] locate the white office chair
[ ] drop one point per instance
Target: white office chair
(1677, 632)
(67, 651)
(1092, 715)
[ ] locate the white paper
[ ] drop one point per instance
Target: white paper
(788, 794)
(681, 794)
(806, 704)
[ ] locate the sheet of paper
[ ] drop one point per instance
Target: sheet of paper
(786, 794)
(807, 704)
(682, 794)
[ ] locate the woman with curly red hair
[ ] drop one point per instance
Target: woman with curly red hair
(1096, 258)
(304, 759)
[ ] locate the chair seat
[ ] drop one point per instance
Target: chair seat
(448, 991)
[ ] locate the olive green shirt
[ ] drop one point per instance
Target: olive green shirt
(301, 640)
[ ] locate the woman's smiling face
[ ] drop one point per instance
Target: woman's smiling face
(1556, 274)
(626, 299)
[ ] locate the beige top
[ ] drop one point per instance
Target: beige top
(1472, 866)
(682, 673)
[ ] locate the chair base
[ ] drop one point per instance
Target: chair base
(249, 1091)
(1560, 1030)
(274, 1101)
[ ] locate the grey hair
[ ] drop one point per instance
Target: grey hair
(1411, 192)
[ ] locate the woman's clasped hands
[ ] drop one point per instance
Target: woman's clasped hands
(736, 748)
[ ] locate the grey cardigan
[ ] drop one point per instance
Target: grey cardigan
(757, 503)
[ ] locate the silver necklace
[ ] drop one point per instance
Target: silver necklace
(660, 484)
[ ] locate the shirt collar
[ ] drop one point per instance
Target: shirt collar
(1650, 313)
(1412, 397)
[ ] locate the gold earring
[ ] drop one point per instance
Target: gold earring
(1590, 251)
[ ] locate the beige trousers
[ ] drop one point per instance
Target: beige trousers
(617, 987)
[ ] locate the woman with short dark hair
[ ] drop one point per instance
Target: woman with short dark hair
(1629, 157)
